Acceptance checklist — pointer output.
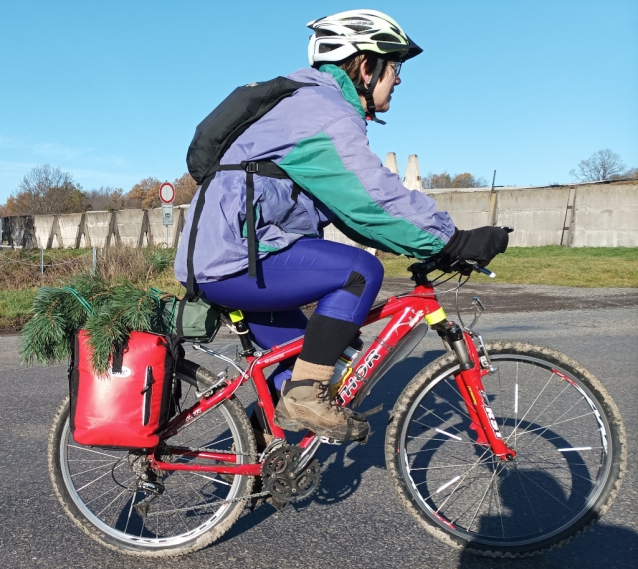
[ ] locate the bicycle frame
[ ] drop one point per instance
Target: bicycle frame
(406, 312)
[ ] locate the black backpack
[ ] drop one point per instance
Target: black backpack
(213, 137)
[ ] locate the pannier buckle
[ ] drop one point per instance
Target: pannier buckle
(252, 167)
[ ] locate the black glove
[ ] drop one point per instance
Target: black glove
(480, 245)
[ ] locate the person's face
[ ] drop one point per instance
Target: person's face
(385, 86)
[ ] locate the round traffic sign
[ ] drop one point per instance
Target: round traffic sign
(167, 192)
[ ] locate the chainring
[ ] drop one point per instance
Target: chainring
(279, 480)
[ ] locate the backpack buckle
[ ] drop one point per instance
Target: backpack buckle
(252, 167)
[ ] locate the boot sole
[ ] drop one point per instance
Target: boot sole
(289, 424)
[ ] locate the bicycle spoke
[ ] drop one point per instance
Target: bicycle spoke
(547, 407)
(543, 489)
(111, 502)
(98, 478)
(93, 450)
(533, 403)
(178, 513)
(557, 419)
(496, 471)
(560, 422)
(518, 476)
(108, 491)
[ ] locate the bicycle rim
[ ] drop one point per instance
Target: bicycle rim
(553, 421)
(101, 484)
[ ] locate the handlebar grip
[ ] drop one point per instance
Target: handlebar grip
(484, 271)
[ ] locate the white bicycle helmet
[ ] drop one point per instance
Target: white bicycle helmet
(342, 35)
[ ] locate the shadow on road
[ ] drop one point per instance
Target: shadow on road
(605, 546)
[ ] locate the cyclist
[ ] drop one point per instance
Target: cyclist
(318, 137)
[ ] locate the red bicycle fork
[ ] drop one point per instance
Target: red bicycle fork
(483, 422)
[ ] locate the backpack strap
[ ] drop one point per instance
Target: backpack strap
(268, 169)
(191, 294)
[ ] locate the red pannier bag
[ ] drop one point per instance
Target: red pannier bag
(130, 405)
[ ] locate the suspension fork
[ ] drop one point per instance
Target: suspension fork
(470, 384)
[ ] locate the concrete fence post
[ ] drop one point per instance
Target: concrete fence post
(568, 223)
(179, 226)
(412, 179)
(391, 162)
(55, 233)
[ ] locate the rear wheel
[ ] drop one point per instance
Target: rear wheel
(97, 486)
(566, 430)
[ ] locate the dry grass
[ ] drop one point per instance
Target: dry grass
(20, 274)
(20, 270)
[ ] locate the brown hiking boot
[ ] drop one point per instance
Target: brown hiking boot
(306, 405)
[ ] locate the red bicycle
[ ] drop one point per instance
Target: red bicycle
(502, 448)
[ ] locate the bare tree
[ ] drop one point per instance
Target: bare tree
(45, 190)
(444, 180)
(600, 166)
(105, 198)
(631, 173)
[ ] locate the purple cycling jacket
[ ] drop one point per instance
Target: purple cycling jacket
(318, 136)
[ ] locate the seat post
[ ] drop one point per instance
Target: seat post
(240, 327)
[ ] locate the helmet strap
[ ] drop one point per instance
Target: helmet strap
(369, 90)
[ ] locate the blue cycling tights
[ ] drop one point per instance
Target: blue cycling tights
(344, 279)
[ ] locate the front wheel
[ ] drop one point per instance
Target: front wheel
(97, 486)
(569, 439)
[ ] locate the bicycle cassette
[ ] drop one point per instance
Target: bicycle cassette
(279, 479)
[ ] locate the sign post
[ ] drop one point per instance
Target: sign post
(167, 195)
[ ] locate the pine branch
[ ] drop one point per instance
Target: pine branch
(108, 311)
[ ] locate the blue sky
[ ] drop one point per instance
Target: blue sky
(112, 91)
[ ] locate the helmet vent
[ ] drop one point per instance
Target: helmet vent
(323, 33)
(356, 28)
(327, 47)
(384, 37)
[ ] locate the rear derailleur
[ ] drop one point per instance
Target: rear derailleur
(148, 481)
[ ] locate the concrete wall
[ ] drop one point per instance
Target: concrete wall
(69, 224)
(157, 230)
(98, 224)
(468, 208)
(606, 216)
(537, 215)
(43, 224)
(603, 214)
(130, 227)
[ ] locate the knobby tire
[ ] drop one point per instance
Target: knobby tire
(565, 427)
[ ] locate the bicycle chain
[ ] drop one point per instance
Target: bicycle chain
(231, 501)
(219, 451)
(220, 501)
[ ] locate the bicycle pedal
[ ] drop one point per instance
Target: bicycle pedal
(330, 441)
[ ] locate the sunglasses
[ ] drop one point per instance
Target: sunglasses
(396, 65)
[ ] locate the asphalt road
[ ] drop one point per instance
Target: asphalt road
(355, 519)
